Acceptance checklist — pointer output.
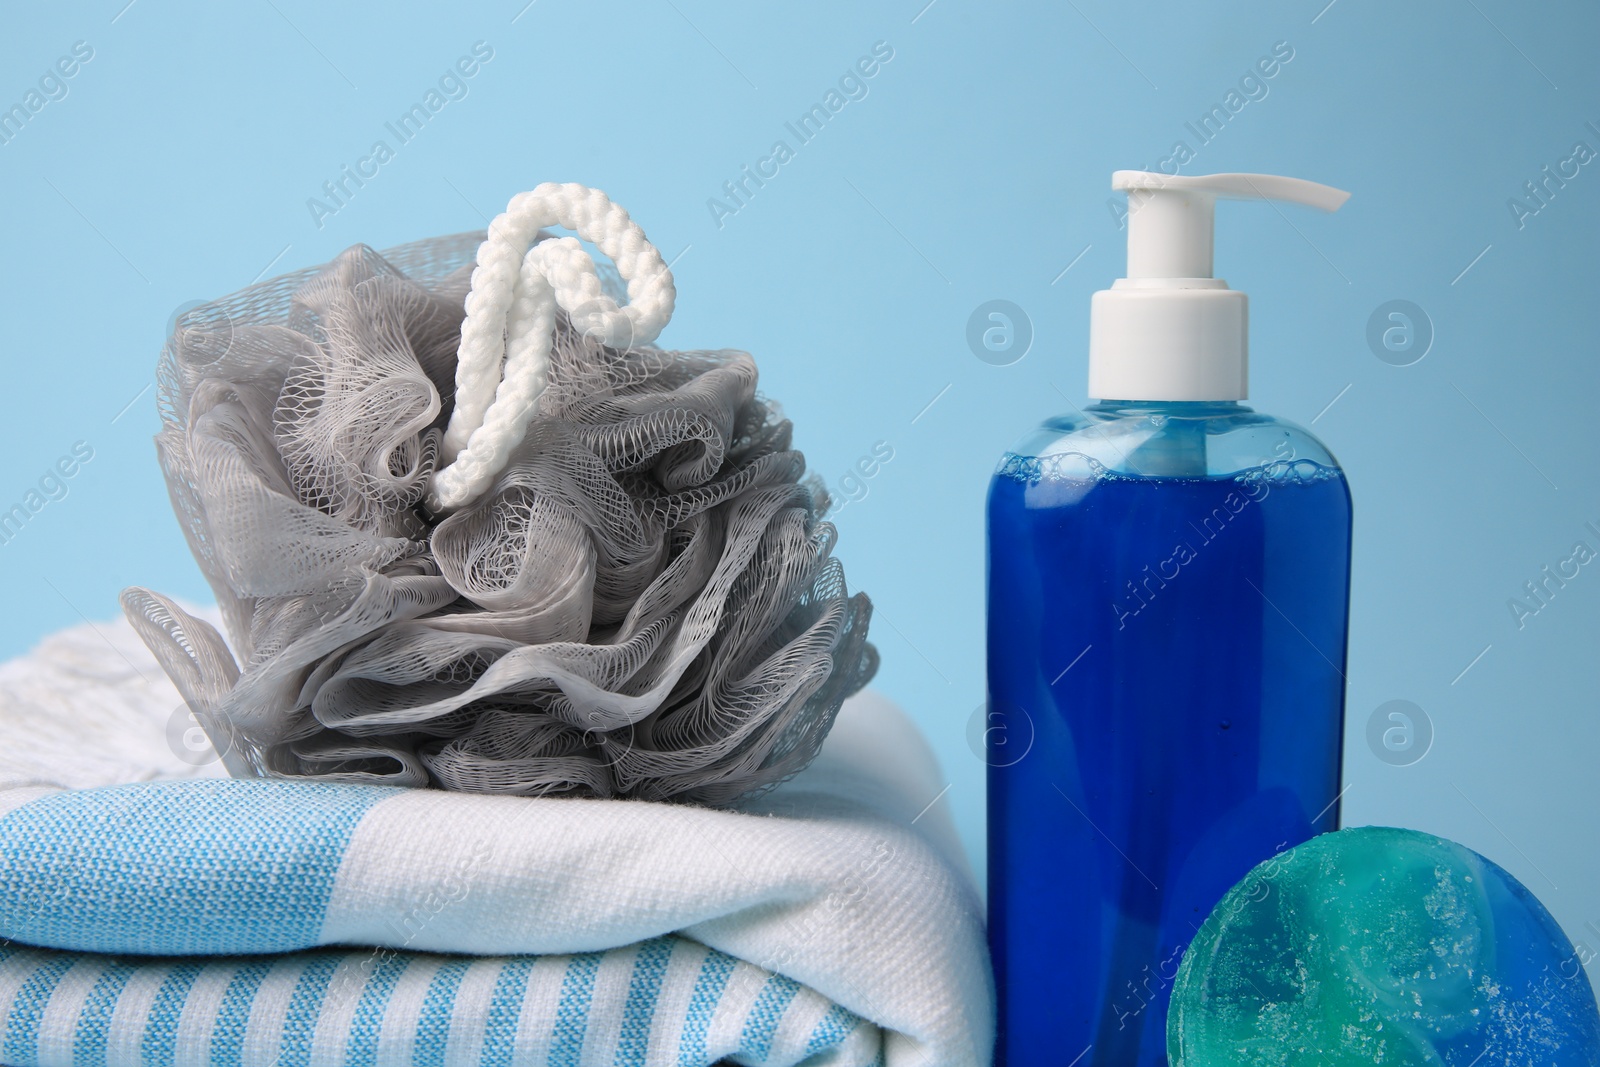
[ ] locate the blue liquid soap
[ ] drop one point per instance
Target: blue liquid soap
(1168, 589)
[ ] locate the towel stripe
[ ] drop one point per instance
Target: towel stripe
(59, 1022)
(708, 989)
(93, 1031)
(233, 1014)
(833, 1029)
(433, 1025)
(148, 879)
(159, 1045)
(300, 1026)
(366, 1027)
(639, 1012)
(572, 1014)
(27, 1010)
(761, 1025)
(505, 1009)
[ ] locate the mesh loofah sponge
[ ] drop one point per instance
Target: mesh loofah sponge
(641, 600)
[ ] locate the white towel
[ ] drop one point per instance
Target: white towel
(831, 921)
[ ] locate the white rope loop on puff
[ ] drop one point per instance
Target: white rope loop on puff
(504, 356)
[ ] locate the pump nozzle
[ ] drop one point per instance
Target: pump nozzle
(1170, 215)
(1170, 330)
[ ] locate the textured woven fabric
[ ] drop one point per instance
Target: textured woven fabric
(665, 1001)
(267, 922)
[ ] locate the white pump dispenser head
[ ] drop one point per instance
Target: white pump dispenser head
(1169, 330)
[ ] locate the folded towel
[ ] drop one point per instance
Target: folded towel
(196, 921)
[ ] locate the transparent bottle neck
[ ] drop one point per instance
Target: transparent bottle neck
(1179, 409)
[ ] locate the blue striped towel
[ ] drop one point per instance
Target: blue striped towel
(288, 923)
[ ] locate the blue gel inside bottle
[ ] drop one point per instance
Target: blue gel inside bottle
(1168, 587)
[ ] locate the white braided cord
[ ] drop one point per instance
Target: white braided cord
(504, 356)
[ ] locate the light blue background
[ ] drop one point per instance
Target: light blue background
(179, 165)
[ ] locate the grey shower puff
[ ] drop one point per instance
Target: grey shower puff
(645, 603)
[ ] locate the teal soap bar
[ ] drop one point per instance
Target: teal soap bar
(1381, 946)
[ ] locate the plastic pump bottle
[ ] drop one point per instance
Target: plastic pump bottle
(1167, 602)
